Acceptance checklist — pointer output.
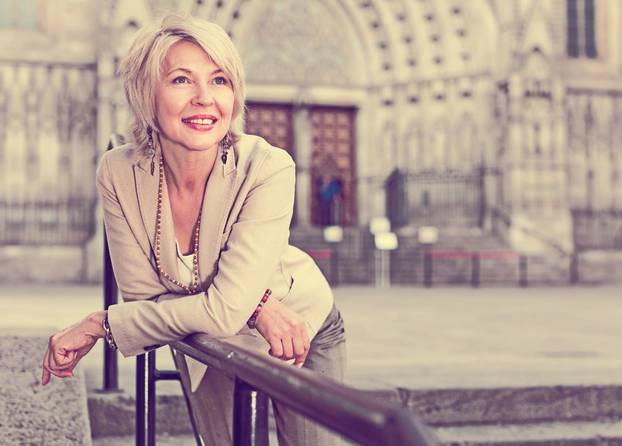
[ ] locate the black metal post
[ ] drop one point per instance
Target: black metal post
(140, 400)
(145, 400)
(111, 368)
(250, 416)
(151, 399)
(522, 271)
(427, 267)
(475, 269)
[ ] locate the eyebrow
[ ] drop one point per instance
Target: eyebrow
(188, 71)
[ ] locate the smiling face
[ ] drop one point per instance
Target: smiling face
(194, 100)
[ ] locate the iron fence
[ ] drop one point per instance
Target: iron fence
(597, 229)
(47, 152)
(432, 198)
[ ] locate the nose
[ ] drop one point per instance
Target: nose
(203, 95)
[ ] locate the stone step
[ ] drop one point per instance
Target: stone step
(603, 433)
(549, 434)
(458, 407)
(444, 409)
(130, 440)
(54, 415)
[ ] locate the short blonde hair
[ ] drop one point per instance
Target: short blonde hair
(140, 69)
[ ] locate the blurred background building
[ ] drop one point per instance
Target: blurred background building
(497, 121)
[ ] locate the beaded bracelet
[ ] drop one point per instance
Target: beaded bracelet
(108, 337)
(252, 321)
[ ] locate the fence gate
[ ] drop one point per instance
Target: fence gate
(436, 199)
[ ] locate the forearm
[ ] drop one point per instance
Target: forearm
(143, 325)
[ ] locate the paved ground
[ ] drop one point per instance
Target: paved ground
(414, 337)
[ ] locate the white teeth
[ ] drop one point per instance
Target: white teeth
(200, 121)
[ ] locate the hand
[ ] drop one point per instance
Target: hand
(68, 346)
(285, 331)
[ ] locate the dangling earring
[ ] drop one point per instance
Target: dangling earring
(225, 145)
(150, 151)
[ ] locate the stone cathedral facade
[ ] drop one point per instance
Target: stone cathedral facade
(501, 116)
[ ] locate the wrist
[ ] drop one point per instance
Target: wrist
(96, 322)
(252, 321)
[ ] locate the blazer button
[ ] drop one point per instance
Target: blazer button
(151, 347)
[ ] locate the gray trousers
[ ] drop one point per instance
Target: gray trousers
(212, 402)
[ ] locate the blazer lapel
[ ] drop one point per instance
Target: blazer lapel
(216, 205)
(147, 191)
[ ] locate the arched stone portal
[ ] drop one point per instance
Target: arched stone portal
(302, 48)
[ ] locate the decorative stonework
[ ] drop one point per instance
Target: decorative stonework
(298, 43)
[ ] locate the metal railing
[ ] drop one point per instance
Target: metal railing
(347, 411)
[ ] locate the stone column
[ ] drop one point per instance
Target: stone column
(106, 84)
(303, 147)
(536, 191)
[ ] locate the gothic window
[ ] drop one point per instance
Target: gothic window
(581, 29)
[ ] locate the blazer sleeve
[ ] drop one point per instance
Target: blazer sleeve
(255, 245)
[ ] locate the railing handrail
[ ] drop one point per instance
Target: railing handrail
(348, 411)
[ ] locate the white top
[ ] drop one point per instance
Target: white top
(184, 265)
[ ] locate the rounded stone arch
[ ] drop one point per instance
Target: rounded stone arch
(446, 31)
(288, 42)
(483, 33)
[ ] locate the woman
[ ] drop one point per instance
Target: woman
(197, 218)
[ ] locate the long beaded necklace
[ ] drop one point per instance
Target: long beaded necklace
(195, 285)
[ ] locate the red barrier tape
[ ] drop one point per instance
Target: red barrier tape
(483, 255)
(320, 254)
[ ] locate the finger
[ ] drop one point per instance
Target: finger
(52, 364)
(48, 371)
(45, 377)
(288, 348)
(62, 373)
(276, 347)
(299, 347)
(300, 360)
(45, 374)
(306, 340)
(64, 358)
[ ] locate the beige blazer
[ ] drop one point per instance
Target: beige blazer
(243, 249)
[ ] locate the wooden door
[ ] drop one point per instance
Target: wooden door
(333, 166)
(273, 122)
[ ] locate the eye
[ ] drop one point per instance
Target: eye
(220, 80)
(181, 80)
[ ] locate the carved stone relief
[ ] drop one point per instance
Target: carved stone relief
(298, 43)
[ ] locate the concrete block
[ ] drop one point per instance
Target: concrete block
(41, 264)
(600, 266)
(115, 414)
(30, 414)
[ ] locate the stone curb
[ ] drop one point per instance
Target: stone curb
(113, 414)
